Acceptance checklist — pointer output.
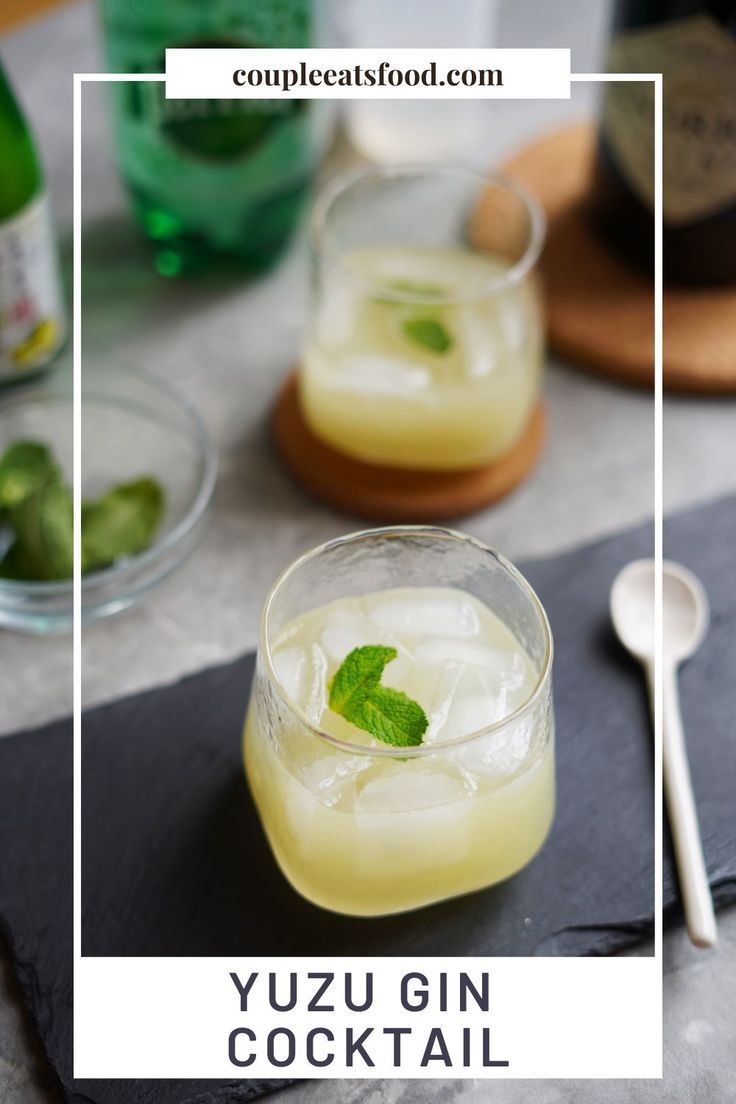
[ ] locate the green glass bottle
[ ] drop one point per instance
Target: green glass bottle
(209, 177)
(32, 326)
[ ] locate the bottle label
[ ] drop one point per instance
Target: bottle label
(698, 59)
(209, 165)
(31, 314)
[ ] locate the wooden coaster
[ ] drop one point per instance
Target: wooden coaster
(600, 312)
(395, 494)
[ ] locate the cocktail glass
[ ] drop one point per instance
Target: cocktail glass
(425, 345)
(364, 828)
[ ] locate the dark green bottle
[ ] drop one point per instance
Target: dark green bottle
(209, 178)
(693, 43)
(32, 326)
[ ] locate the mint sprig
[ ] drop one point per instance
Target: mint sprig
(429, 333)
(36, 518)
(357, 695)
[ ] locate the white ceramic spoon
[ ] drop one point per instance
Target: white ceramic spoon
(685, 616)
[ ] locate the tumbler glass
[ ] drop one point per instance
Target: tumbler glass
(364, 828)
(425, 343)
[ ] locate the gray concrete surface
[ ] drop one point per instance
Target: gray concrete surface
(226, 346)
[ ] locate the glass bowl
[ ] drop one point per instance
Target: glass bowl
(133, 424)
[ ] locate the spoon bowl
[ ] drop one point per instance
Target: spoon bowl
(685, 610)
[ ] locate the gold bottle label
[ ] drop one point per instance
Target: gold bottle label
(698, 59)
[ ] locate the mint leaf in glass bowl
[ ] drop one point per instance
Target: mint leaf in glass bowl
(148, 472)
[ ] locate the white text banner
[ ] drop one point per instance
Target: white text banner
(344, 74)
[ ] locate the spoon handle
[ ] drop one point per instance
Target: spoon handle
(693, 876)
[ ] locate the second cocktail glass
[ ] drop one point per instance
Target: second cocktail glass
(425, 345)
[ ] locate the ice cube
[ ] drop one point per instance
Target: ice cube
(472, 712)
(303, 674)
(290, 666)
(441, 650)
(479, 341)
(345, 629)
(337, 314)
(514, 324)
(316, 692)
(389, 267)
(331, 778)
(413, 817)
(501, 753)
(451, 613)
(465, 701)
(406, 788)
(377, 375)
(299, 808)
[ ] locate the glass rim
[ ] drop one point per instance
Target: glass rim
(342, 182)
(398, 531)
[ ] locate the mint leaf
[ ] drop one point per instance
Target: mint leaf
(24, 468)
(356, 694)
(120, 524)
(43, 549)
(359, 673)
(429, 333)
(390, 716)
(36, 539)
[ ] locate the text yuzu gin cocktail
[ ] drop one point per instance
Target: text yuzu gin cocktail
(399, 742)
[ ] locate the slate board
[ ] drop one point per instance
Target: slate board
(175, 862)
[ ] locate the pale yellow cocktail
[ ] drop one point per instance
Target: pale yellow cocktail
(424, 346)
(409, 365)
(364, 828)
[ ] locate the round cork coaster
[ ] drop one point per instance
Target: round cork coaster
(393, 494)
(600, 312)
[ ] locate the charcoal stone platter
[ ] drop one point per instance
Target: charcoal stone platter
(175, 862)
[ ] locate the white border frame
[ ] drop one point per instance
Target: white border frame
(80, 79)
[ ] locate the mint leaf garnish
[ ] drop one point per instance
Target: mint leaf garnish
(44, 544)
(359, 673)
(356, 694)
(36, 521)
(429, 333)
(390, 716)
(24, 468)
(120, 524)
